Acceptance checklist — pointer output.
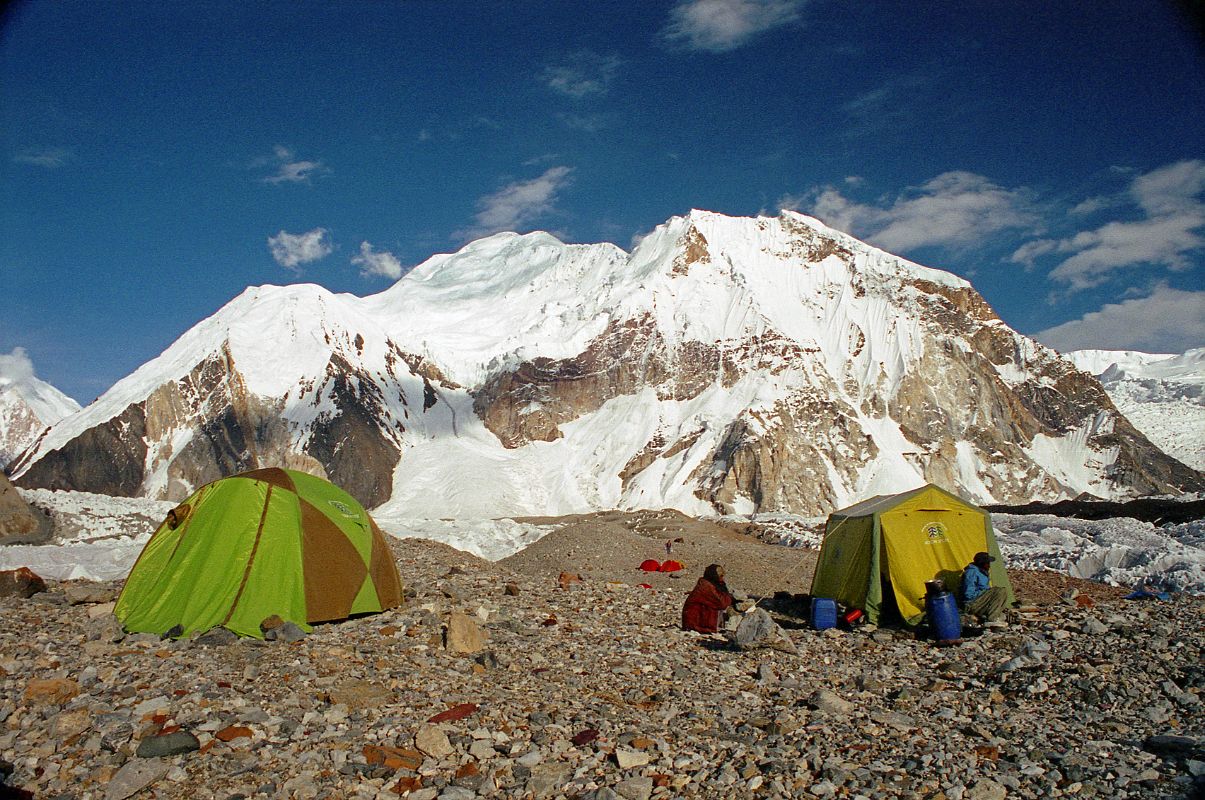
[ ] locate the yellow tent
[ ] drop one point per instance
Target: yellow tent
(901, 541)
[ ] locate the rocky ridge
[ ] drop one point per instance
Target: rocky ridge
(27, 405)
(591, 691)
(726, 365)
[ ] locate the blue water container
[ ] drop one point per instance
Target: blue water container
(824, 613)
(943, 615)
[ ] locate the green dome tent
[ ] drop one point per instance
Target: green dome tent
(903, 540)
(270, 541)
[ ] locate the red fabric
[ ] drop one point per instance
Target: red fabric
(703, 606)
(672, 566)
(650, 565)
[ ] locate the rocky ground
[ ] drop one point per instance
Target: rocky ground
(590, 690)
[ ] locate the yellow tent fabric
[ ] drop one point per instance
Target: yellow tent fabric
(902, 541)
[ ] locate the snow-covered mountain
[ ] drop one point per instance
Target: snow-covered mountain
(1163, 395)
(726, 364)
(27, 405)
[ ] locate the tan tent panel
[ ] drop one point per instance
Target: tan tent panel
(902, 541)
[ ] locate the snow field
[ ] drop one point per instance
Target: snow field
(104, 535)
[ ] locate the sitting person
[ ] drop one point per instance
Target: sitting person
(976, 594)
(706, 602)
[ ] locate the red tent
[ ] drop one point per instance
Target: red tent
(650, 565)
(672, 566)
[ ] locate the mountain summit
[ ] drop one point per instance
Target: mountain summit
(725, 365)
(27, 405)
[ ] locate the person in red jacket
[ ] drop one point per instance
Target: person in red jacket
(706, 602)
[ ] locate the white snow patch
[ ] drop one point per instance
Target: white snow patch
(102, 537)
(1120, 551)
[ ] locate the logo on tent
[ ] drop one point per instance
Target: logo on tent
(344, 509)
(935, 532)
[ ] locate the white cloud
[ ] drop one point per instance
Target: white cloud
(50, 158)
(377, 262)
(1173, 218)
(718, 26)
(518, 204)
(582, 73)
(1166, 321)
(288, 168)
(291, 250)
(15, 367)
(954, 209)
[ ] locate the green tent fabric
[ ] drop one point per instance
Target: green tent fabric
(262, 543)
(903, 540)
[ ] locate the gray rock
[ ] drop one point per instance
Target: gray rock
(457, 793)
(547, 779)
(985, 789)
(1093, 626)
(216, 637)
(169, 744)
(756, 629)
(640, 788)
(287, 632)
(602, 793)
(830, 702)
(79, 593)
(135, 776)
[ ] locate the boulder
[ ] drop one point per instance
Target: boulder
(167, 744)
(49, 691)
(285, 632)
(80, 593)
(20, 582)
(431, 740)
(20, 523)
(463, 635)
(757, 629)
(135, 776)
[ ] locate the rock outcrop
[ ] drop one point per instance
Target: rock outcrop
(20, 523)
(726, 365)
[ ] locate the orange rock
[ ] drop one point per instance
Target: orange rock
(50, 691)
(454, 713)
(394, 758)
(407, 785)
(1084, 601)
(467, 770)
(232, 732)
(988, 752)
(567, 579)
(389, 630)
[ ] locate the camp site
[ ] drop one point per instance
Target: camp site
(271, 637)
(627, 400)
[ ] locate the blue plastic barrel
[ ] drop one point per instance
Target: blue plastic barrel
(824, 613)
(943, 615)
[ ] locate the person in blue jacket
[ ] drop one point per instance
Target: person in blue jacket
(976, 594)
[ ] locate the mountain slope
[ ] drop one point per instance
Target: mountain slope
(724, 365)
(1163, 395)
(27, 406)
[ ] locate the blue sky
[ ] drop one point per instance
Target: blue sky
(156, 158)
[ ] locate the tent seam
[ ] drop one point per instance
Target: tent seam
(250, 559)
